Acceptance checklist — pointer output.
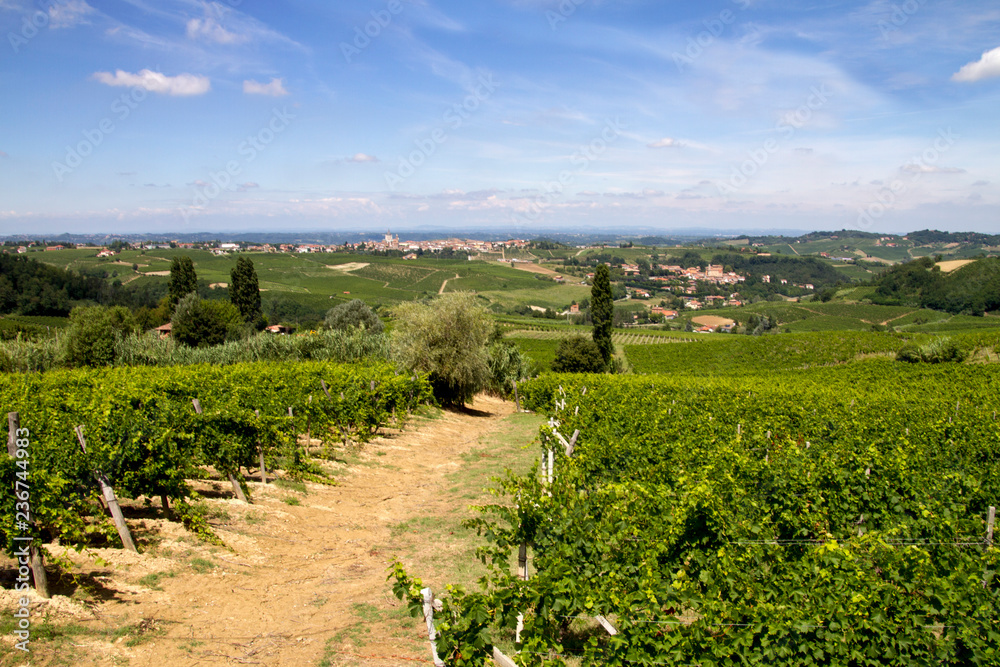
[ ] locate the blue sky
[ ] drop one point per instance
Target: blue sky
(172, 116)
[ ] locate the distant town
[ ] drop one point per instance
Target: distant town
(390, 242)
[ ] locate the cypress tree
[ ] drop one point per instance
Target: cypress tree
(183, 280)
(244, 291)
(602, 310)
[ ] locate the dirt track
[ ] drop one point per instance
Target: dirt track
(298, 584)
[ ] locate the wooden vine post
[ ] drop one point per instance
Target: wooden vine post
(990, 519)
(260, 448)
(429, 605)
(517, 400)
(237, 489)
(501, 660)
(109, 498)
(35, 561)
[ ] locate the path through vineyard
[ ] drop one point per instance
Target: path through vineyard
(306, 584)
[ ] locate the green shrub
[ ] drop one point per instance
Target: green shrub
(578, 355)
(94, 332)
(910, 353)
(940, 350)
(200, 323)
(507, 365)
(354, 314)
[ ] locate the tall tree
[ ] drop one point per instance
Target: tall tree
(183, 280)
(244, 291)
(602, 311)
(447, 339)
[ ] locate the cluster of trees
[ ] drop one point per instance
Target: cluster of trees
(928, 236)
(29, 287)
(971, 290)
(201, 322)
(595, 355)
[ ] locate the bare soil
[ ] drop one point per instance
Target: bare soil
(302, 577)
(712, 320)
(534, 268)
(347, 268)
(953, 264)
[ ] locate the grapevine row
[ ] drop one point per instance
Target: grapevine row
(143, 432)
(790, 519)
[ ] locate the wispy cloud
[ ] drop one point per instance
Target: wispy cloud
(917, 168)
(276, 88)
(362, 158)
(221, 24)
(69, 13)
(181, 85)
(211, 30)
(987, 67)
(666, 142)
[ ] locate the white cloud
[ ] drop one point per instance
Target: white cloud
(69, 13)
(670, 142)
(666, 142)
(249, 185)
(985, 68)
(276, 88)
(157, 82)
(362, 157)
(919, 168)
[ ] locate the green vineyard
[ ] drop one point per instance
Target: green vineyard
(143, 432)
(755, 354)
(831, 517)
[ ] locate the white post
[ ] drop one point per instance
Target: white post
(431, 632)
(990, 518)
(606, 624)
(501, 660)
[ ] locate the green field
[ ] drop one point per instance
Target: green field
(315, 281)
(733, 355)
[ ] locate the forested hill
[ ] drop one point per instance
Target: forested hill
(794, 269)
(29, 287)
(972, 289)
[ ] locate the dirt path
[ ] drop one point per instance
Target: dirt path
(445, 283)
(303, 578)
